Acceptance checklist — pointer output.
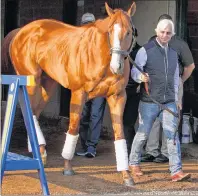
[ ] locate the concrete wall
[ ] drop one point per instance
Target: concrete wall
(147, 14)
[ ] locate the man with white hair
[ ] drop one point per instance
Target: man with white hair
(160, 63)
(154, 151)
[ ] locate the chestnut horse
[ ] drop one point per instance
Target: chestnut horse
(90, 60)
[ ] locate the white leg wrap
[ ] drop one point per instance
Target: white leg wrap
(121, 155)
(69, 146)
(39, 133)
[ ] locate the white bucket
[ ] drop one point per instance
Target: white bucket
(195, 124)
(186, 130)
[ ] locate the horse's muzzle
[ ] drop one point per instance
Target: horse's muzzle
(119, 70)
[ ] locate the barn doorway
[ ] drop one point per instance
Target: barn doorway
(10, 23)
(69, 17)
(11, 15)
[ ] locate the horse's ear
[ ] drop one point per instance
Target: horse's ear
(108, 9)
(132, 9)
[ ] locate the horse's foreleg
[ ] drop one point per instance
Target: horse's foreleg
(76, 106)
(116, 105)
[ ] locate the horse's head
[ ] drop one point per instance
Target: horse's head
(121, 36)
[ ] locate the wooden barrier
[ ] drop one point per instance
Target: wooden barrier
(12, 161)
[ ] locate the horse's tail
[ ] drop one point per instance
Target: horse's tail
(6, 63)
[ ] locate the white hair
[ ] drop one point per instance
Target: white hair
(162, 24)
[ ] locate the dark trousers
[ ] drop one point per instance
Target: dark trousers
(91, 122)
(130, 117)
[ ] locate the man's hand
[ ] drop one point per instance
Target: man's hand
(145, 77)
(179, 106)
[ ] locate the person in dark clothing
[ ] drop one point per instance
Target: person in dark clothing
(154, 151)
(132, 102)
(92, 116)
(91, 126)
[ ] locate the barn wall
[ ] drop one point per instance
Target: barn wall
(2, 18)
(191, 85)
(30, 10)
(192, 22)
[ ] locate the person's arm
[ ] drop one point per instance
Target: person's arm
(126, 71)
(180, 94)
(176, 83)
(186, 60)
(187, 72)
(140, 60)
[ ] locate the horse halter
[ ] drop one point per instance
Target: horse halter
(124, 53)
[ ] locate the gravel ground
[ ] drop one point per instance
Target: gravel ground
(96, 176)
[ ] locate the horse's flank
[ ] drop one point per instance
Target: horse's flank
(73, 56)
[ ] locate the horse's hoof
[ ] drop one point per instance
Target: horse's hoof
(129, 182)
(44, 159)
(68, 172)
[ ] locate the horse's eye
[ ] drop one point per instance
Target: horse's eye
(128, 33)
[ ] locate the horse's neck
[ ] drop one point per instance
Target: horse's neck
(96, 36)
(103, 25)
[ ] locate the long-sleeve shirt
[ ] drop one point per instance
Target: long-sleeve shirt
(156, 60)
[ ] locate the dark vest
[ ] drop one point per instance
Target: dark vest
(161, 71)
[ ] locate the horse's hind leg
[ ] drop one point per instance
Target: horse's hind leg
(76, 106)
(35, 96)
(48, 87)
(39, 96)
(116, 105)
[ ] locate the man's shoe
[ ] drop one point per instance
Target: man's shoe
(147, 158)
(81, 152)
(180, 176)
(161, 159)
(135, 170)
(91, 152)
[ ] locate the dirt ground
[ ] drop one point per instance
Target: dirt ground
(93, 176)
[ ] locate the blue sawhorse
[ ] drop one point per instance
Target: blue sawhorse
(11, 161)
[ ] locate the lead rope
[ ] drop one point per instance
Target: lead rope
(162, 107)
